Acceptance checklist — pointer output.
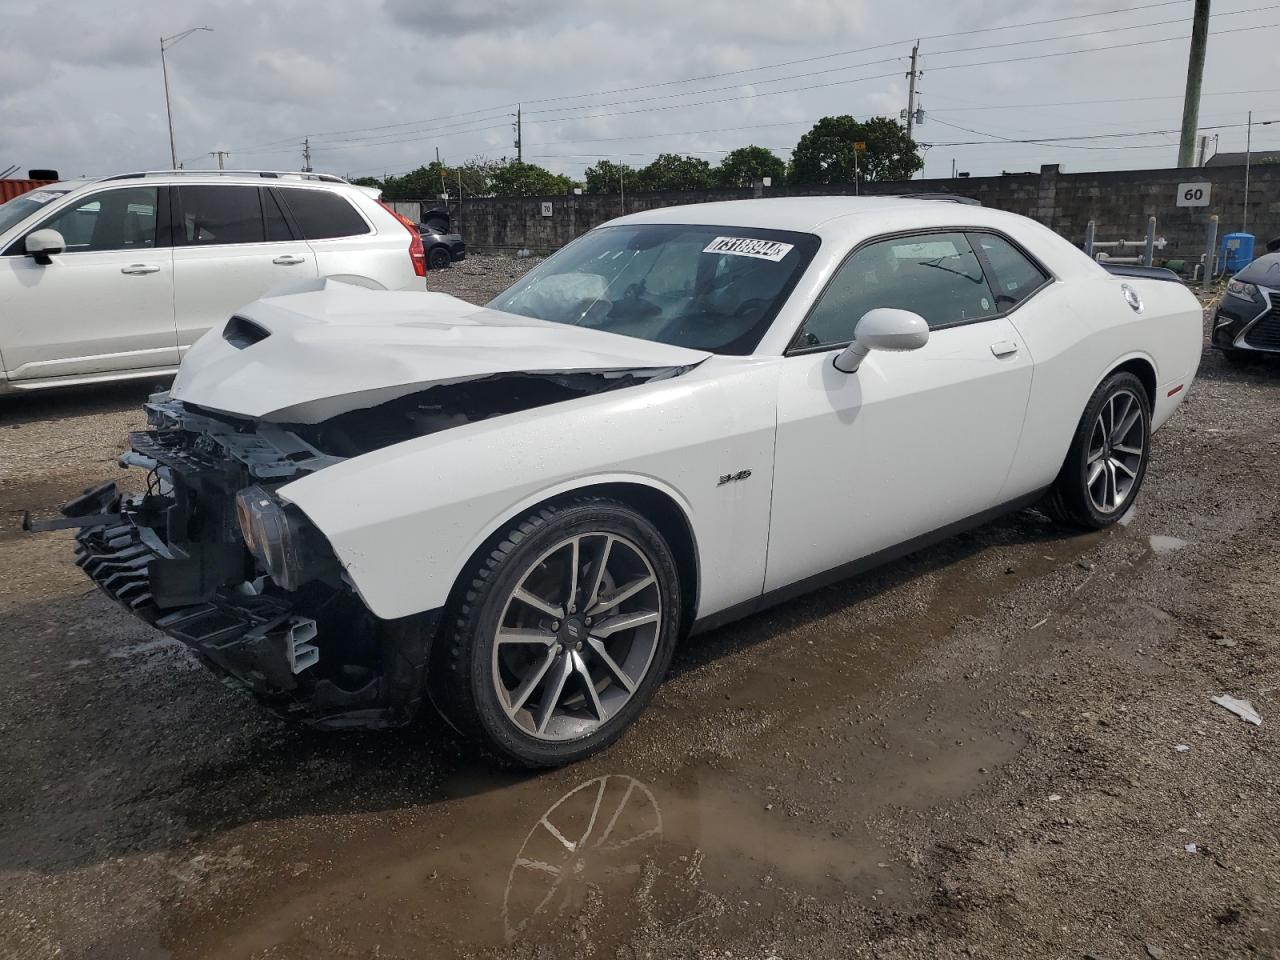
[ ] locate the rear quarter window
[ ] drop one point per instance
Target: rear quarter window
(1015, 277)
(323, 215)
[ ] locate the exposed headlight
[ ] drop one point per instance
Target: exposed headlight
(1245, 291)
(290, 550)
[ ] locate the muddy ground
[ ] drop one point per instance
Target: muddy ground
(1000, 747)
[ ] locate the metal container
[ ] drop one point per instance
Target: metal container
(16, 188)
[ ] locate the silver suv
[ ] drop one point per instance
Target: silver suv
(115, 278)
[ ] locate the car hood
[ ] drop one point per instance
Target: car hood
(1263, 272)
(308, 355)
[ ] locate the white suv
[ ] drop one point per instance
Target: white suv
(114, 279)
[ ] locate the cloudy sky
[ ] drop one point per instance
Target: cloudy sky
(379, 85)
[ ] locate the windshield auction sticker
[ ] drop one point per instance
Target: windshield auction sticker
(746, 247)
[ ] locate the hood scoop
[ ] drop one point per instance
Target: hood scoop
(241, 333)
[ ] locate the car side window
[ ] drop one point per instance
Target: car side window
(323, 214)
(936, 275)
(108, 220)
(277, 226)
(219, 215)
(1015, 277)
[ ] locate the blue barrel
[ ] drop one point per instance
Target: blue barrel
(1236, 252)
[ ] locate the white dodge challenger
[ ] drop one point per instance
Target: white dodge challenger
(359, 500)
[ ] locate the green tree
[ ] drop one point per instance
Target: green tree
(518, 179)
(745, 165)
(670, 171)
(825, 153)
(420, 184)
(603, 177)
(367, 182)
(429, 181)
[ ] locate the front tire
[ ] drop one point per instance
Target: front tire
(1108, 458)
(562, 631)
(439, 258)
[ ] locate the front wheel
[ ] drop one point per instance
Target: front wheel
(1108, 458)
(439, 258)
(563, 631)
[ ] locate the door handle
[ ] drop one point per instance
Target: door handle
(138, 269)
(289, 260)
(1004, 348)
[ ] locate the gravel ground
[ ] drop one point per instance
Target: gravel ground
(1000, 747)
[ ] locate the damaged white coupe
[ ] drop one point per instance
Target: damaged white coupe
(359, 501)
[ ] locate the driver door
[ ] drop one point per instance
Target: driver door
(913, 441)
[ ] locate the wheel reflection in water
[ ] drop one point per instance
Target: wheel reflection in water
(593, 836)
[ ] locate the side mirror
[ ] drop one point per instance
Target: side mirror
(883, 328)
(43, 244)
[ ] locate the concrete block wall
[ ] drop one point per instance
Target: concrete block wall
(1118, 201)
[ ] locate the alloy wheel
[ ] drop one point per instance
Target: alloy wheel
(1117, 445)
(577, 636)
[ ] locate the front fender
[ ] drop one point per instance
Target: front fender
(405, 519)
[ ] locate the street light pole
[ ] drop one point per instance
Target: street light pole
(165, 44)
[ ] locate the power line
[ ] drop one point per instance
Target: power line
(1059, 141)
(846, 53)
(673, 133)
(935, 53)
(961, 33)
(1077, 103)
(462, 127)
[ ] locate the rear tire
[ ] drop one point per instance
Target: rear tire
(439, 258)
(1108, 458)
(560, 633)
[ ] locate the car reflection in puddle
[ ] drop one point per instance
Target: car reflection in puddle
(592, 838)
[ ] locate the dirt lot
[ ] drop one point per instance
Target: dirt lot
(1000, 747)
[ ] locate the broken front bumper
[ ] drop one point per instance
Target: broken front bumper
(255, 639)
(315, 655)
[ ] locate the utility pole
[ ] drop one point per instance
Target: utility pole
(444, 184)
(1248, 155)
(1195, 73)
(220, 155)
(1204, 146)
(911, 89)
(519, 142)
(622, 190)
(165, 44)
(306, 154)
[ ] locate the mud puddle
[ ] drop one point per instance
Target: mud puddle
(535, 862)
(708, 817)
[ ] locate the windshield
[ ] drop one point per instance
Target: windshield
(19, 208)
(705, 287)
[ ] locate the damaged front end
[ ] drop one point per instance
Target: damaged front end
(209, 555)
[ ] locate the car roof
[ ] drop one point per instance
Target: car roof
(805, 214)
(845, 221)
(64, 186)
(255, 177)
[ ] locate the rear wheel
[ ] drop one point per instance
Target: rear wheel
(1108, 457)
(439, 258)
(563, 633)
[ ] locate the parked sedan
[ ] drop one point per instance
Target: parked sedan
(359, 499)
(444, 247)
(1246, 322)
